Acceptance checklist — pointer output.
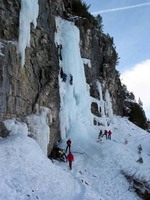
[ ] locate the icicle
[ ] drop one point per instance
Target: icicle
(28, 14)
(108, 105)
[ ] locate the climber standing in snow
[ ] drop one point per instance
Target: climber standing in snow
(68, 145)
(70, 158)
(63, 75)
(59, 51)
(61, 72)
(71, 79)
(109, 134)
(100, 135)
(105, 133)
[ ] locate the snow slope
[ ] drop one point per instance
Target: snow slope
(26, 173)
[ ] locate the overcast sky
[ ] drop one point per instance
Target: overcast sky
(127, 21)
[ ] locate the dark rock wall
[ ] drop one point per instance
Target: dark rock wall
(37, 82)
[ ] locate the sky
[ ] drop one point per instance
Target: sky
(99, 166)
(127, 21)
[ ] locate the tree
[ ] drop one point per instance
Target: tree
(137, 116)
(80, 8)
(99, 22)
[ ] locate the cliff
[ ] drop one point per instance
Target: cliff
(27, 89)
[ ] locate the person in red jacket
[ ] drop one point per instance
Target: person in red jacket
(68, 145)
(109, 134)
(70, 158)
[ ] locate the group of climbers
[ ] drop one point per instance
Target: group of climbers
(62, 74)
(60, 154)
(64, 77)
(106, 133)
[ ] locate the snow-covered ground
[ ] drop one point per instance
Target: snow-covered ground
(26, 173)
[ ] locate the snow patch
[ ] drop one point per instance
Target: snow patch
(39, 127)
(87, 62)
(15, 127)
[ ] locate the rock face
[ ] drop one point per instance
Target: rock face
(103, 67)
(37, 82)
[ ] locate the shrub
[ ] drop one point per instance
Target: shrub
(138, 184)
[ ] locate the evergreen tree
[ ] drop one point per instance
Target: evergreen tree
(80, 8)
(99, 22)
(137, 116)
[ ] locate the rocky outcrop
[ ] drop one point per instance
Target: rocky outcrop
(3, 130)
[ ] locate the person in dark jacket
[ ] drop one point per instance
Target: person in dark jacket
(61, 72)
(70, 158)
(100, 135)
(68, 145)
(105, 133)
(71, 79)
(64, 78)
(63, 75)
(59, 51)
